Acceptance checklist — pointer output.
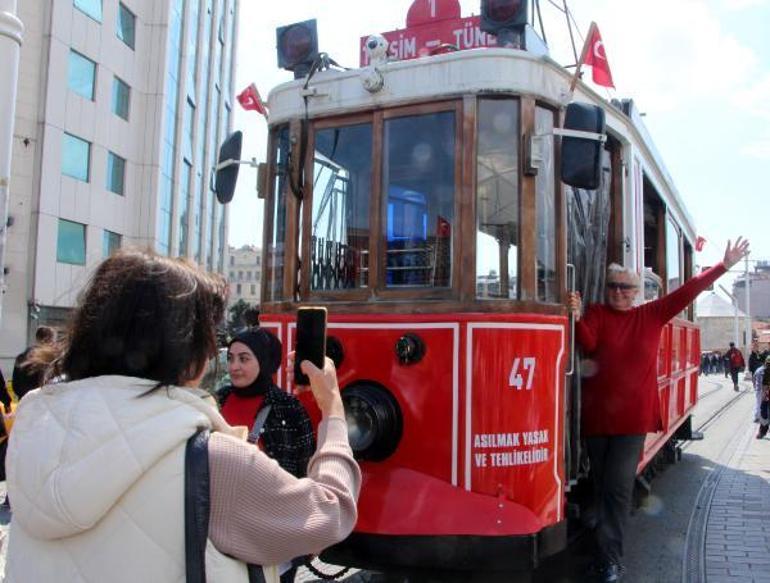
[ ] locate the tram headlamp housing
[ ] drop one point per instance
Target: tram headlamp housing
(297, 46)
(505, 19)
(374, 419)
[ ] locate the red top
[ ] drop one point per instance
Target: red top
(239, 410)
(620, 397)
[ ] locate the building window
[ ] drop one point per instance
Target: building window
(248, 275)
(81, 75)
(238, 289)
(71, 243)
(121, 98)
(232, 275)
(232, 261)
(240, 275)
(116, 174)
(253, 289)
(126, 26)
(76, 157)
(111, 242)
(189, 117)
(92, 8)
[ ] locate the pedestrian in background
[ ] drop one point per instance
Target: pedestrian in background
(734, 363)
(715, 363)
(762, 389)
(757, 357)
(112, 471)
(620, 402)
(27, 375)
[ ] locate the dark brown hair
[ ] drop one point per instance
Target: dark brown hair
(142, 315)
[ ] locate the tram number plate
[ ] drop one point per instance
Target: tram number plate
(522, 366)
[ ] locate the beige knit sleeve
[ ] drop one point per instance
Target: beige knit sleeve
(263, 515)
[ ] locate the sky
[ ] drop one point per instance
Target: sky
(698, 69)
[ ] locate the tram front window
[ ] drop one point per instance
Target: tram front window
(342, 178)
(419, 183)
(497, 199)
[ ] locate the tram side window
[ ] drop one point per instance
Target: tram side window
(342, 188)
(673, 244)
(545, 185)
(275, 248)
(497, 199)
(419, 186)
(654, 231)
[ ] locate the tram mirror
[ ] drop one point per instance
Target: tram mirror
(581, 146)
(229, 162)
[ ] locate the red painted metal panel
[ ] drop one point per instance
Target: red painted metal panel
(516, 413)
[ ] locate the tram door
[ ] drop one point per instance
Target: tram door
(591, 215)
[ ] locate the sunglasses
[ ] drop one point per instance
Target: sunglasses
(624, 287)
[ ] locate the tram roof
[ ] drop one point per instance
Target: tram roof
(476, 71)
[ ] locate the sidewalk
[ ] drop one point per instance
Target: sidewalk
(738, 525)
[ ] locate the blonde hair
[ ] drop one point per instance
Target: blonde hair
(617, 269)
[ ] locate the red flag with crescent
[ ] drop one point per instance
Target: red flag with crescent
(596, 57)
(249, 99)
(700, 242)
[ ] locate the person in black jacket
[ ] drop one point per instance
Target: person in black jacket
(757, 357)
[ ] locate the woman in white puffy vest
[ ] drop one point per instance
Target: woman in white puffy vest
(127, 472)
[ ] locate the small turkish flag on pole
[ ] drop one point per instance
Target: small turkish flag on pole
(594, 56)
(250, 100)
(700, 242)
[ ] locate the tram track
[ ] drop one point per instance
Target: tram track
(693, 558)
(717, 414)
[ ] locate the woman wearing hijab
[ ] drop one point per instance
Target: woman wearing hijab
(277, 422)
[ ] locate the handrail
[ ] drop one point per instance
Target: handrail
(571, 285)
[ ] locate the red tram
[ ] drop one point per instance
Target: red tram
(421, 200)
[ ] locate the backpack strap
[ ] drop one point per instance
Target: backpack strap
(196, 505)
(259, 422)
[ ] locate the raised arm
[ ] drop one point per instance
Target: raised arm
(670, 305)
(263, 515)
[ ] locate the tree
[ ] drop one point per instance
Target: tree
(235, 320)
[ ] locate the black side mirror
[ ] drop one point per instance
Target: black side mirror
(581, 157)
(229, 162)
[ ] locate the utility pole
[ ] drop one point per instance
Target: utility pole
(11, 34)
(749, 328)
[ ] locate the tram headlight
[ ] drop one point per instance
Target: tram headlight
(297, 46)
(500, 14)
(374, 421)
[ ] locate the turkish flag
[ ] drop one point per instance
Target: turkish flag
(249, 99)
(699, 243)
(596, 57)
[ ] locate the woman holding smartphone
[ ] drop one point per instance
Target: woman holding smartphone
(98, 464)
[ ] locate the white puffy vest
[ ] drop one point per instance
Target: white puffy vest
(96, 476)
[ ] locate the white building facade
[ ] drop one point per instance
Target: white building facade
(245, 274)
(120, 109)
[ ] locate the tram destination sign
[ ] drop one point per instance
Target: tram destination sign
(430, 25)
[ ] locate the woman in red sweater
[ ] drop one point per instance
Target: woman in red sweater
(620, 398)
